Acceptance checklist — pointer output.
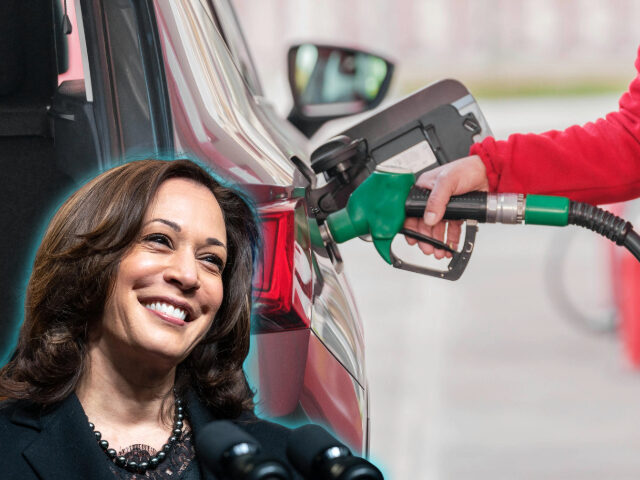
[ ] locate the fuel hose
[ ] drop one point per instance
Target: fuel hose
(512, 208)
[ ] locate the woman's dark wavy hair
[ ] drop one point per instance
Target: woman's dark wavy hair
(74, 272)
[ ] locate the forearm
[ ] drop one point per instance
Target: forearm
(597, 163)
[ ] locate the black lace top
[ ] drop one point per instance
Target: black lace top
(179, 464)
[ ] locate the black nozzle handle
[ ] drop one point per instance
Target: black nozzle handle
(470, 206)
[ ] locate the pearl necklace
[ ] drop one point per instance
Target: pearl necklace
(154, 461)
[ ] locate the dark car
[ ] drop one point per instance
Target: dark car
(88, 83)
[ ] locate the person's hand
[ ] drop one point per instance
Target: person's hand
(462, 176)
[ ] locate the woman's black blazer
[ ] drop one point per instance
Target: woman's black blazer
(57, 444)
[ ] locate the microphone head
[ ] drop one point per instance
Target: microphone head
(311, 445)
(220, 441)
(231, 452)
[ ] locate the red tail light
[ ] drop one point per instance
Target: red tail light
(282, 284)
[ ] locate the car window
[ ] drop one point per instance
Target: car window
(69, 46)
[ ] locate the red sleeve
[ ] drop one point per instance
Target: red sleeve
(596, 163)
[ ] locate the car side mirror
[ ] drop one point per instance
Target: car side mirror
(330, 82)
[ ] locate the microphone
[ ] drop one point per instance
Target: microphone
(233, 454)
(319, 456)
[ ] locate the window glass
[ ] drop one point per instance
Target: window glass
(70, 58)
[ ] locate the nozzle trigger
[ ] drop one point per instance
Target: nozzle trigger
(457, 264)
(423, 238)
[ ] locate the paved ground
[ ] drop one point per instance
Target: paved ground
(486, 378)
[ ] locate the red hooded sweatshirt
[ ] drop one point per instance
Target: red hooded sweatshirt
(596, 163)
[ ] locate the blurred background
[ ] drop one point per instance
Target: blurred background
(519, 369)
(497, 47)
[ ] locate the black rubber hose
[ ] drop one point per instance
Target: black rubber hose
(606, 224)
(632, 243)
(600, 221)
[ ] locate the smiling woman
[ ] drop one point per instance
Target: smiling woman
(137, 325)
(169, 287)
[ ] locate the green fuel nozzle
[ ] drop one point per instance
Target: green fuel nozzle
(379, 206)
